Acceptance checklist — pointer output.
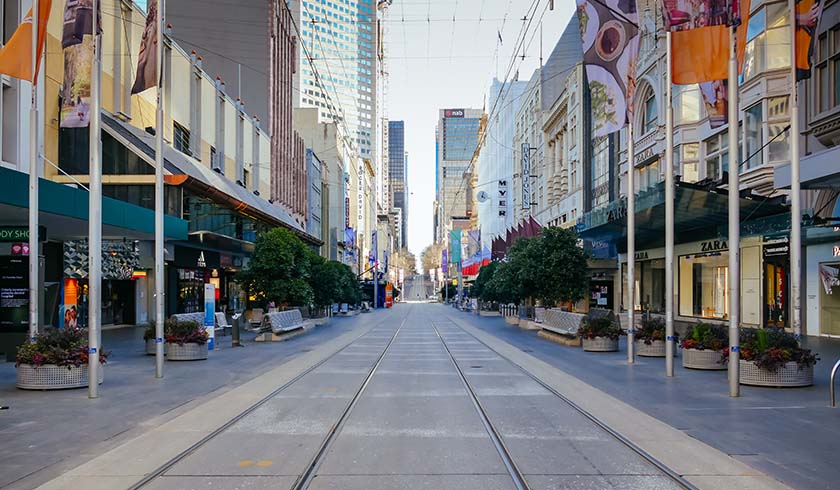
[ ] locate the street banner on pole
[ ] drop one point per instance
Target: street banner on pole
(455, 245)
(808, 13)
(610, 36)
(716, 100)
(16, 54)
(444, 262)
(147, 59)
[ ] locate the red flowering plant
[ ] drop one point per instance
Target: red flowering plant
(61, 347)
(599, 327)
(771, 348)
(186, 332)
(704, 336)
(651, 329)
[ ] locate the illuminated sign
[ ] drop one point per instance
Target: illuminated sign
(453, 113)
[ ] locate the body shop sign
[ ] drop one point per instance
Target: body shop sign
(20, 233)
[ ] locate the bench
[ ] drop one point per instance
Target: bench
(283, 321)
(256, 316)
(562, 326)
(221, 322)
(197, 317)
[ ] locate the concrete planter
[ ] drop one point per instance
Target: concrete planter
(600, 344)
(52, 377)
(702, 359)
(787, 376)
(186, 352)
(655, 349)
(150, 347)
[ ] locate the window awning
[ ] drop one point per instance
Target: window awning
(182, 170)
(699, 214)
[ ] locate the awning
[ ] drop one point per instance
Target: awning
(63, 210)
(816, 171)
(699, 214)
(182, 170)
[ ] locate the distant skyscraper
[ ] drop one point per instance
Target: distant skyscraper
(398, 173)
(457, 141)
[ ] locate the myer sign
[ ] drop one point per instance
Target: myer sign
(20, 233)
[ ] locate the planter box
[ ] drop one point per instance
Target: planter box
(600, 344)
(787, 376)
(702, 359)
(186, 352)
(52, 377)
(150, 347)
(655, 349)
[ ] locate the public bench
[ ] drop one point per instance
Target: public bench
(562, 326)
(197, 317)
(282, 325)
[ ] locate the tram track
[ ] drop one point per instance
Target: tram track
(309, 473)
(516, 474)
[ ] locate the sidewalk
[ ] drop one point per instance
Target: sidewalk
(790, 434)
(47, 433)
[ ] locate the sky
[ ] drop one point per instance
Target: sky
(436, 63)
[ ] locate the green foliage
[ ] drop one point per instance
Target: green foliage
(186, 332)
(449, 289)
(280, 269)
(599, 327)
(482, 287)
(704, 336)
(651, 329)
(333, 282)
(550, 267)
(65, 347)
(772, 348)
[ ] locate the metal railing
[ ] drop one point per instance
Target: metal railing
(831, 385)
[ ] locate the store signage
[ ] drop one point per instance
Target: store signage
(641, 255)
(192, 258)
(20, 249)
(837, 250)
(713, 246)
(502, 198)
(20, 233)
(210, 314)
(777, 247)
(645, 154)
(201, 263)
(453, 113)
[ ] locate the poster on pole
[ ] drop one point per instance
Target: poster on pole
(210, 314)
(77, 43)
(147, 59)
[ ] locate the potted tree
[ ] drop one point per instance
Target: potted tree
(599, 334)
(704, 347)
(57, 359)
(185, 341)
(650, 337)
(773, 357)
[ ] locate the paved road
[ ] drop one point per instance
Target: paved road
(416, 403)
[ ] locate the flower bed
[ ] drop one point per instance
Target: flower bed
(185, 341)
(599, 334)
(773, 357)
(704, 347)
(650, 338)
(57, 359)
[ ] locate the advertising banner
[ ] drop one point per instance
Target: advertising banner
(210, 314)
(77, 42)
(716, 100)
(444, 261)
(147, 59)
(808, 13)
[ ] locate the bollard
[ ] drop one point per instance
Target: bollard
(237, 320)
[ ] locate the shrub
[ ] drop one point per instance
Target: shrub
(65, 347)
(772, 348)
(599, 327)
(705, 336)
(652, 328)
(187, 332)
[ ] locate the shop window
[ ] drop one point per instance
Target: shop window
(830, 299)
(768, 40)
(649, 176)
(703, 283)
(775, 292)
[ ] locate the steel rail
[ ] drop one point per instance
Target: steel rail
(504, 453)
(678, 479)
(160, 470)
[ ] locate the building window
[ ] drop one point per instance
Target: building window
(754, 128)
(686, 104)
(768, 40)
(181, 138)
(703, 285)
(649, 176)
(717, 155)
(778, 119)
(827, 68)
(690, 160)
(649, 116)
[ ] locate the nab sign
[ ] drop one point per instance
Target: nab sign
(453, 113)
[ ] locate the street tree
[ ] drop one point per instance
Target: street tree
(280, 269)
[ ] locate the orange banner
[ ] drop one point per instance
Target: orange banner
(16, 55)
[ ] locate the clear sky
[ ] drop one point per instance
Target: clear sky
(435, 63)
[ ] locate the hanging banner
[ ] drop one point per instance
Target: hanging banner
(444, 261)
(716, 100)
(432, 275)
(526, 176)
(147, 59)
(16, 54)
(610, 34)
(808, 13)
(77, 42)
(455, 245)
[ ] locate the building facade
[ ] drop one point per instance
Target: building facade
(398, 176)
(457, 142)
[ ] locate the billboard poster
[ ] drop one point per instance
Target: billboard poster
(210, 314)
(14, 294)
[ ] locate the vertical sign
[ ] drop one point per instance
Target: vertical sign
(444, 262)
(432, 275)
(526, 176)
(210, 313)
(502, 198)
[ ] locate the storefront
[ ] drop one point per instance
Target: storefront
(822, 298)
(193, 269)
(776, 258)
(649, 279)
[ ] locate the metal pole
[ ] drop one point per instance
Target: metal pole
(159, 199)
(795, 194)
(34, 170)
(631, 246)
(669, 214)
(734, 225)
(95, 214)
